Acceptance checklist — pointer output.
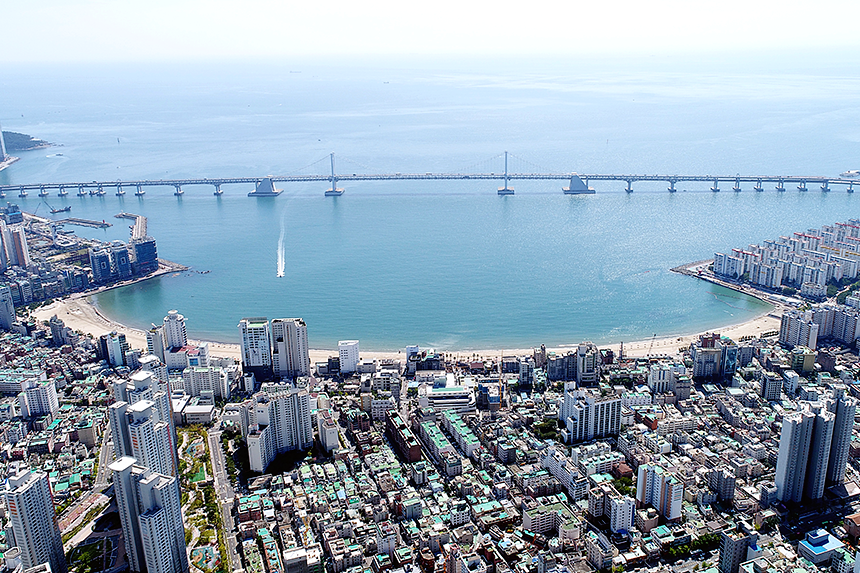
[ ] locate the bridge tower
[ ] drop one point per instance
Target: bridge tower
(335, 191)
(43, 192)
(506, 190)
(62, 192)
(140, 191)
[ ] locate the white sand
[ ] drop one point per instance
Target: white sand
(80, 314)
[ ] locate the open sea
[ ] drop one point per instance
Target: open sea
(446, 264)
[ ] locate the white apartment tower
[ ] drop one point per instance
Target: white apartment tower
(621, 512)
(150, 438)
(794, 442)
(588, 416)
(151, 516)
(844, 408)
(155, 341)
(290, 356)
(199, 380)
(33, 521)
(348, 352)
(38, 397)
(174, 330)
(256, 344)
(797, 328)
(819, 452)
(282, 422)
(661, 490)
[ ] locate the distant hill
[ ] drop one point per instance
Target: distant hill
(22, 142)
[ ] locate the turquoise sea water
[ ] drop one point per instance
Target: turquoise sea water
(444, 264)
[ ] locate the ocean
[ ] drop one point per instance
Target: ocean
(444, 264)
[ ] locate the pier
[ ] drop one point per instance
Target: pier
(138, 230)
(577, 183)
(84, 223)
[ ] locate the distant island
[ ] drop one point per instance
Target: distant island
(22, 142)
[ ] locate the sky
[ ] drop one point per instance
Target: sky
(174, 30)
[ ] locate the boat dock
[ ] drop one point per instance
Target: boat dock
(85, 223)
(138, 230)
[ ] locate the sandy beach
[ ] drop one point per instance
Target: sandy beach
(80, 314)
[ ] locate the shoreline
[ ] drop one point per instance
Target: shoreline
(81, 314)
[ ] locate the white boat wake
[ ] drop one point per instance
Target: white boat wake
(281, 261)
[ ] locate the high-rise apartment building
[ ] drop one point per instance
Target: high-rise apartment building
(256, 346)
(819, 452)
(38, 398)
(797, 328)
(281, 422)
(735, 544)
(151, 516)
(348, 352)
(203, 380)
(661, 490)
(844, 408)
(155, 343)
(33, 521)
(174, 330)
(19, 247)
(794, 442)
(7, 308)
(588, 415)
(290, 356)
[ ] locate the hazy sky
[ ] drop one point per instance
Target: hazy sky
(128, 30)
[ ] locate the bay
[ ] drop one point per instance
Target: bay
(442, 264)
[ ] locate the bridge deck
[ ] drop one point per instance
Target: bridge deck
(626, 178)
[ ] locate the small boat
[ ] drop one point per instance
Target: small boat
(65, 209)
(851, 173)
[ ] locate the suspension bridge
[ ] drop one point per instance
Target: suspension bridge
(577, 183)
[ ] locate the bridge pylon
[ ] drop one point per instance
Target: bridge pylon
(737, 187)
(81, 192)
(802, 186)
(140, 191)
(716, 187)
(22, 193)
(507, 190)
(43, 192)
(218, 191)
(120, 191)
(780, 186)
(758, 186)
(179, 192)
(825, 186)
(629, 186)
(335, 191)
(672, 186)
(62, 192)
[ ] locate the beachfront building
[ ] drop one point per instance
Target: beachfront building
(348, 352)
(256, 345)
(281, 423)
(290, 355)
(112, 347)
(33, 521)
(713, 356)
(174, 332)
(797, 328)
